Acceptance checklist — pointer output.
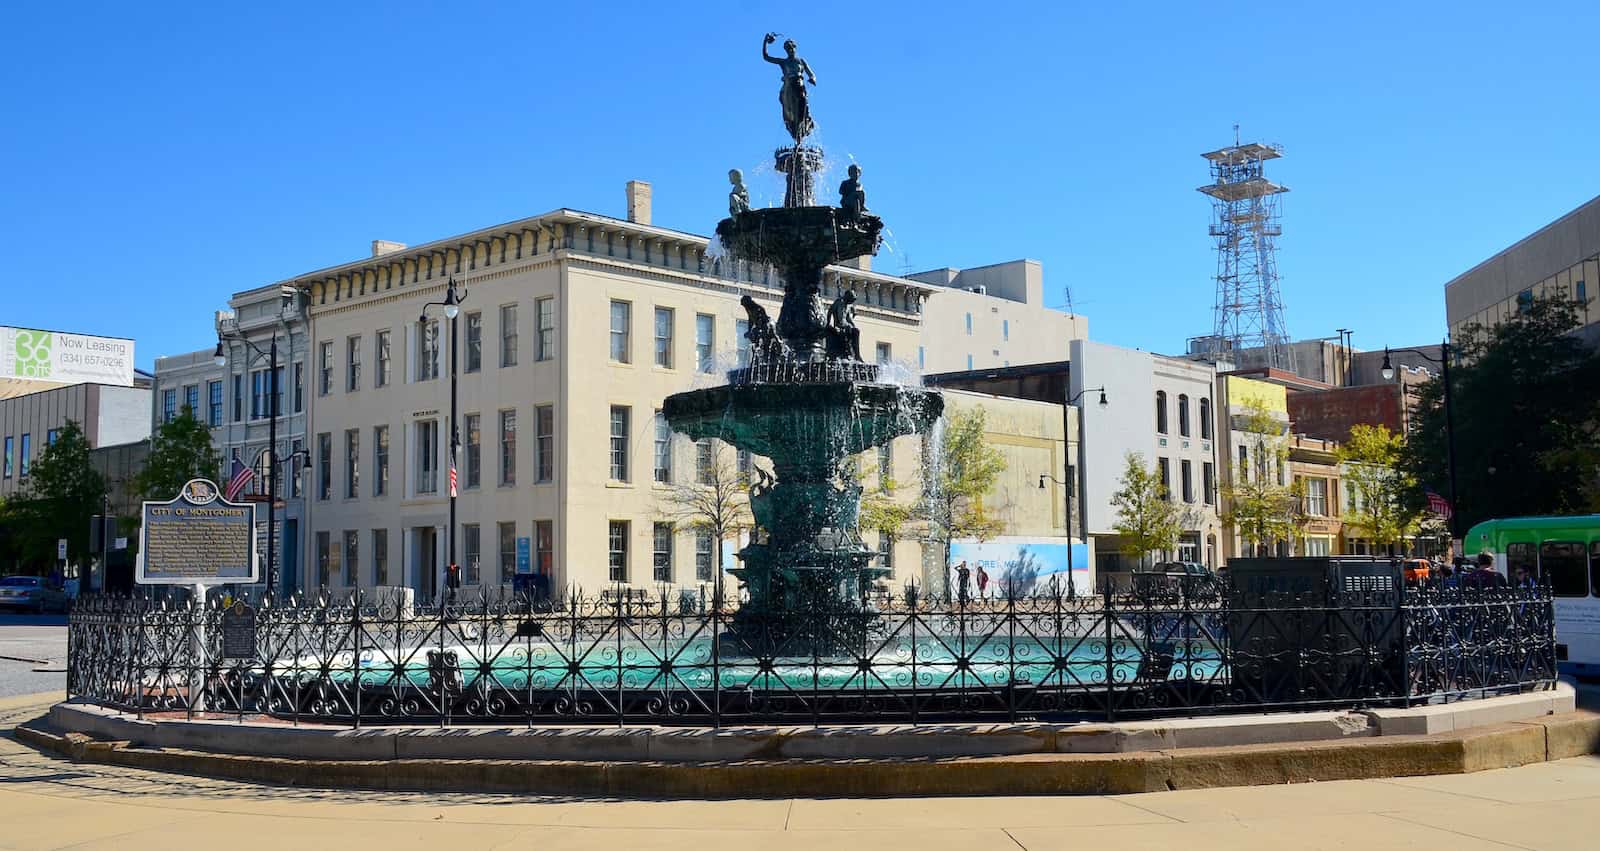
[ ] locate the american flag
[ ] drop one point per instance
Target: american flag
(1439, 505)
(239, 476)
(452, 478)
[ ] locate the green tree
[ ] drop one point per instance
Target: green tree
(1526, 398)
(61, 492)
(1378, 490)
(956, 483)
(1258, 502)
(1147, 518)
(881, 509)
(180, 450)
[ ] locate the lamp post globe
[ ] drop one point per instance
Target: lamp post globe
(220, 357)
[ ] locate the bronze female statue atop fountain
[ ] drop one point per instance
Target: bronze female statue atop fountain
(796, 73)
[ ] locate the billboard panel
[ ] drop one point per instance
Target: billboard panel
(37, 355)
(1019, 565)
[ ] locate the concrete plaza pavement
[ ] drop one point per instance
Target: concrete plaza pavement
(33, 653)
(50, 803)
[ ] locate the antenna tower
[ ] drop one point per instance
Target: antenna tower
(1248, 313)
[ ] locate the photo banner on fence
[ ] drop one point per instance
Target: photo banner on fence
(1019, 566)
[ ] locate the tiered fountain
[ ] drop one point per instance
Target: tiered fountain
(805, 400)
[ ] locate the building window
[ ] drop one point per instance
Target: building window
(1005, 329)
(744, 464)
(258, 394)
(704, 555)
(324, 558)
(705, 341)
(27, 454)
(1243, 471)
(1205, 418)
(508, 447)
(382, 378)
(544, 423)
(471, 553)
(325, 466)
(661, 557)
(508, 335)
(1525, 301)
(1317, 497)
(705, 461)
(969, 362)
(885, 549)
(546, 308)
(543, 547)
(883, 353)
(1317, 546)
(169, 405)
(619, 443)
(1582, 293)
(474, 450)
(213, 403)
(886, 467)
(352, 370)
(663, 454)
(50, 436)
(1161, 412)
(474, 352)
(621, 319)
(507, 533)
(1186, 479)
(1164, 475)
(1208, 483)
(1183, 415)
(352, 463)
(617, 550)
(664, 337)
(380, 460)
(380, 557)
(428, 350)
(10, 455)
(324, 368)
(299, 387)
(922, 357)
(969, 325)
(427, 456)
(741, 341)
(352, 558)
(238, 397)
(191, 399)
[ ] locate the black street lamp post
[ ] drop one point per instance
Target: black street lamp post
(1443, 360)
(452, 309)
(1071, 486)
(271, 354)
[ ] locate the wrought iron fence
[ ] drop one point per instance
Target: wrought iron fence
(681, 659)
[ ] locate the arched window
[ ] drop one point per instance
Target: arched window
(1161, 412)
(1183, 415)
(1205, 418)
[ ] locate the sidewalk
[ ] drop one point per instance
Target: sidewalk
(47, 803)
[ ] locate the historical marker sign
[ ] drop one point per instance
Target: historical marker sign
(199, 538)
(239, 631)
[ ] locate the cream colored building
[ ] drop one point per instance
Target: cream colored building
(992, 317)
(1561, 258)
(573, 330)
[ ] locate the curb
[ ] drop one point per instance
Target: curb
(1501, 746)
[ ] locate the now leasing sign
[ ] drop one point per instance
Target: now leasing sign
(65, 358)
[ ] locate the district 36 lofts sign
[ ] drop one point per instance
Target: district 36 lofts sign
(57, 356)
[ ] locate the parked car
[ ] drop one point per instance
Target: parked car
(1416, 570)
(32, 593)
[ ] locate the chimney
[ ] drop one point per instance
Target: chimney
(864, 263)
(639, 202)
(381, 247)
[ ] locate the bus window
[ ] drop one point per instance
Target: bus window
(1521, 555)
(1566, 566)
(1594, 576)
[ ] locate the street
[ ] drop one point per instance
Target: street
(33, 654)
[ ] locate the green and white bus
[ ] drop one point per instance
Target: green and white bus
(1565, 552)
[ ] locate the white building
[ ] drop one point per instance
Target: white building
(992, 317)
(1163, 409)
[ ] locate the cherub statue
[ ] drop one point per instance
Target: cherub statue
(793, 97)
(844, 338)
(738, 196)
(852, 196)
(765, 345)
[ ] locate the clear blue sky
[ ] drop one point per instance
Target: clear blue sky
(159, 157)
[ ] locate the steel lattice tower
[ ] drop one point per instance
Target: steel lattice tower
(1249, 309)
